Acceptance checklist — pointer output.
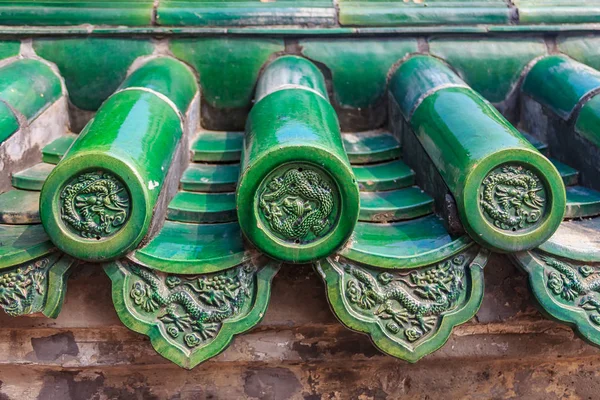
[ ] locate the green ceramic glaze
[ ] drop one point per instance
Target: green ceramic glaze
(560, 74)
(9, 48)
(566, 290)
(194, 248)
(407, 313)
(588, 121)
(245, 12)
(192, 322)
(228, 67)
(8, 122)
(371, 146)
(581, 48)
(19, 207)
(394, 205)
(483, 160)
(93, 68)
(493, 66)
(576, 240)
(535, 142)
(211, 146)
(32, 178)
(358, 67)
(295, 176)
(210, 177)
(399, 13)
(570, 176)
(582, 202)
(53, 13)
(99, 201)
(29, 86)
(383, 176)
(54, 151)
(557, 11)
(22, 243)
(201, 207)
(409, 244)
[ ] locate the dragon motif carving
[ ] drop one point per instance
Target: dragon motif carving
(579, 286)
(23, 289)
(409, 304)
(192, 308)
(298, 203)
(95, 205)
(512, 197)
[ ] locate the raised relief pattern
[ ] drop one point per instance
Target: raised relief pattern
(298, 205)
(95, 205)
(512, 198)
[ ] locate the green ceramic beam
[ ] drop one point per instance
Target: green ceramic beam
(509, 196)
(297, 197)
(29, 86)
(101, 199)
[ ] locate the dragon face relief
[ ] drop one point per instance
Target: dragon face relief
(298, 204)
(95, 205)
(512, 198)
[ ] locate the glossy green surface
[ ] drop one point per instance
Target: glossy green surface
(125, 139)
(210, 177)
(570, 176)
(93, 68)
(558, 11)
(581, 48)
(54, 151)
(210, 329)
(398, 316)
(371, 146)
(9, 48)
(560, 74)
(466, 138)
(492, 66)
(408, 244)
(358, 67)
(29, 86)
(32, 178)
(22, 243)
(19, 207)
(290, 72)
(8, 122)
(228, 67)
(577, 239)
(397, 13)
(418, 77)
(202, 207)
(535, 142)
(166, 76)
(384, 176)
(212, 146)
(394, 205)
(588, 121)
(50, 12)
(582, 202)
(295, 128)
(245, 12)
(194, 248)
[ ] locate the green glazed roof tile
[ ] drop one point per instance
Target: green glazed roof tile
(210, 177)
(371, 146)
(32, 178)
(245, 12)
(386, 176)
(407, 244)
(537, 143)
(577, 239)
(588, 121)
(558, 11)
(398, 13)
(19, 207)
(51, 12)
(202, 207)
(570, 176)
(213, 146)
(9, 123)
(394, 205)
(582, 202)
(194, 248)
(54, 151)
(22, 243)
